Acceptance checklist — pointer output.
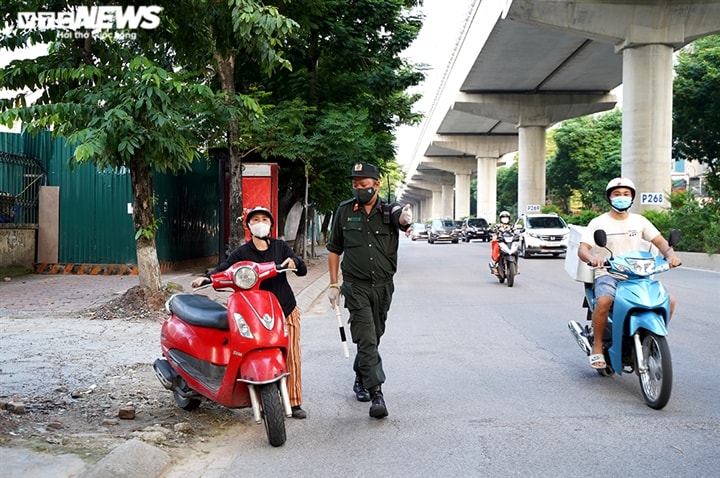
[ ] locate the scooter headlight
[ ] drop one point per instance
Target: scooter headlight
(242, 326)
(245, 277)
(642, 267)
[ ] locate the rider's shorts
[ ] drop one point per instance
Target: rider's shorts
(605, 286)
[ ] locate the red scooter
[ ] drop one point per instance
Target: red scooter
(235, 356)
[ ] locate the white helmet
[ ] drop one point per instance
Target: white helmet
(256, 210)
(619, 183)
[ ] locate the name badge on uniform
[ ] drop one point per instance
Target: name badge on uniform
(353, 219)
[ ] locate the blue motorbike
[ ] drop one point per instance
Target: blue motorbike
(635, 338)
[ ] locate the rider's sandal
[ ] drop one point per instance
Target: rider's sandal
(597, 361)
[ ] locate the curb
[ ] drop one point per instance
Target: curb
(700, 260)
(309, 294)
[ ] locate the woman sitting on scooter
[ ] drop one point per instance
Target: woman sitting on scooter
(263, 248)
(501, 227)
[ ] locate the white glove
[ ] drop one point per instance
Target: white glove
(406, 215)
(334, 295)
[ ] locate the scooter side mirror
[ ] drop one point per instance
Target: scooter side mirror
(674, 237)
(600, 238)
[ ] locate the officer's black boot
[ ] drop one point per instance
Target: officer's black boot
(361, 393)
(378, 408)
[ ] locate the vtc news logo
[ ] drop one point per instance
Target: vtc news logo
(92, 18)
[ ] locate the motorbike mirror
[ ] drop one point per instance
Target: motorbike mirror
(674, 237)
(600, 238)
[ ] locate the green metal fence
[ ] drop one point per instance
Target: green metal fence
(96, 224)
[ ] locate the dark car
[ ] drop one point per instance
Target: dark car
(443, 230)
(475, 228)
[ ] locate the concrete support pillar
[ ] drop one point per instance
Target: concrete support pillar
(462, 195)
(436, 208)
(487, 188)
(531, 168)
(448, 198)
(647, 119)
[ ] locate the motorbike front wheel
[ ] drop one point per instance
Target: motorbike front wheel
(656, 382)
(511, 270)
(501, 270)
(273, 415)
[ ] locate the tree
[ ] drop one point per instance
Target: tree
(587, 156)
(507, 188)
(235, 39)
(348, 84)
(696, 107)
(125, 103)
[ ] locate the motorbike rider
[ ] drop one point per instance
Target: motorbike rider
(626, 232)
(263, 248)
(499, 228)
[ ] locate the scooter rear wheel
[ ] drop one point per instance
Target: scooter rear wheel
(188, 404)
(273, 415)
(656, 383)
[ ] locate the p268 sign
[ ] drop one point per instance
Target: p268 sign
(651, 198)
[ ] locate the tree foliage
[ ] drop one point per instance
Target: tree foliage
(347, 85)
(316, 98)
(125, 101)
(696, 107)
(507, 188)
(587, 155)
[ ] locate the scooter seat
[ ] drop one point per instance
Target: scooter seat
(199, 310)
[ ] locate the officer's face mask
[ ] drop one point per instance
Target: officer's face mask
(364, 195)
(260, 229)
(621, 203)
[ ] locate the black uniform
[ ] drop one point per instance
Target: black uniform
(369, 244)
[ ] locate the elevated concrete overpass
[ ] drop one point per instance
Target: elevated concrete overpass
(522, 66)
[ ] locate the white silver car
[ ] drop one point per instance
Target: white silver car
(542, 234)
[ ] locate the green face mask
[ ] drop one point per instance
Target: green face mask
(364, 196)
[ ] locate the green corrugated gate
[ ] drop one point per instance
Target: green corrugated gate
(95, 221)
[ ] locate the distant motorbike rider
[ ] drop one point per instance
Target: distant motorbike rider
(499, 228)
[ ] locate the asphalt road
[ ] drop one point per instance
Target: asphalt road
(486, 380)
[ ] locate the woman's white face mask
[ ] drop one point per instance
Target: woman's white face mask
(260, 229)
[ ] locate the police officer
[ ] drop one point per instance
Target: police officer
(365, 232)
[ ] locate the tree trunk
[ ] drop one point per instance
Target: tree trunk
(326, 226)
(226, 71)
(301, 236)
(144, 219)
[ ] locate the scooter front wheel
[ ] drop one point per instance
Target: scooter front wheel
(273, 415)
(511, 271)
(656, 381)
(501, 271)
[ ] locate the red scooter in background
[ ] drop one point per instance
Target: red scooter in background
(235, 356)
